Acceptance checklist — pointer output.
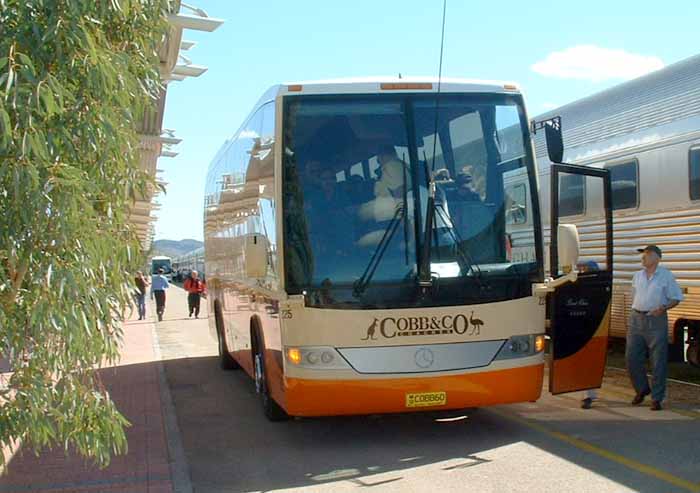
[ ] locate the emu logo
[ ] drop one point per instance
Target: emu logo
(371, 331)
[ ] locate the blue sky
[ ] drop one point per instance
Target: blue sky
(557, 51)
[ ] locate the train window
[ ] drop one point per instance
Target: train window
(572, 195)
(623, 177)
(694, 163)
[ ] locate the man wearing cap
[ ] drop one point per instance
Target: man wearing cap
(654, 292)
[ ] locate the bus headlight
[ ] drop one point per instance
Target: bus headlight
(539, 343)
(316, 357)
(294, 355)
(521, 346)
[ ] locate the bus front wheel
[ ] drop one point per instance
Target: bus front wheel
(271, 409)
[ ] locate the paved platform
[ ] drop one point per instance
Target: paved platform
(135, 386)
(198, 428)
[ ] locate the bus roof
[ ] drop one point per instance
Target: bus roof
(373, 85)
(392, 84)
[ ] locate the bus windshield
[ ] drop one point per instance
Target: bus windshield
(355, 198)
(161, 263)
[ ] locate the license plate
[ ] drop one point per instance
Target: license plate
(426, 399)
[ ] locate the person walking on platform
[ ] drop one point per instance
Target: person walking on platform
(140, 294)
(654, 292)
(159, 284)
(195, 288)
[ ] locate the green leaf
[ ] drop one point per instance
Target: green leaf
(5, 126)
(27, 62)
(10, 79)
(48, 100)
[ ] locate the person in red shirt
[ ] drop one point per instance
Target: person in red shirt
(195, 288)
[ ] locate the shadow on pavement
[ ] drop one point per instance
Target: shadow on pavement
(135, 389)
(230, 446)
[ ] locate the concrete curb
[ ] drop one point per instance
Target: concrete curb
(179, 468)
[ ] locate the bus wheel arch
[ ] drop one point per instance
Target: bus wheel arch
(226, 361)
(271, 409)
(683, 328)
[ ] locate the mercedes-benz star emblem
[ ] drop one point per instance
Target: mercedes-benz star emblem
(424, 358)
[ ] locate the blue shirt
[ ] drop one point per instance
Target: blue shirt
(159, 283)
(656, 291)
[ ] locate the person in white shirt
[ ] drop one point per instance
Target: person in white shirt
(654, 292)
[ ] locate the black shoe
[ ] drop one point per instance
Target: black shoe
(160, 317)
(639, 398)
(656, 406)
(587, 403)
(189, 316)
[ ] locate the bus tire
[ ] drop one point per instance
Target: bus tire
(226, 361)
(676, 347)
(272, 410)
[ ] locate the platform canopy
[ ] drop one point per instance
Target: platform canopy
(156, 141)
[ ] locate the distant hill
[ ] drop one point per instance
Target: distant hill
(173, 248)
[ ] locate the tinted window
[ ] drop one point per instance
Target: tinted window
(516, 204)
(356, 242)
(572, 192)
(624, 185)
(695, 174)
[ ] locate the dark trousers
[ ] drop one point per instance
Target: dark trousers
(160, 302)
(648, 337)
(193, 300)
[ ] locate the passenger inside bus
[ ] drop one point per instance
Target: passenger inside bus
(462, 190)
(394, 180)
(327, 232)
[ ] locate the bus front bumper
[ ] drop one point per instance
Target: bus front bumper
(306, 397)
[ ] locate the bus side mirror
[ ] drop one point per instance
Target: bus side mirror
(555, 141)
(255, 254)
(567, 246)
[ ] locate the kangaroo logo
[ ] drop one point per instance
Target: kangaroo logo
(371, 330)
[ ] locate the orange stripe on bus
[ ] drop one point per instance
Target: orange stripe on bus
(306, 397)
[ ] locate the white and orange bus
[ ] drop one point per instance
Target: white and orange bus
(375, 246)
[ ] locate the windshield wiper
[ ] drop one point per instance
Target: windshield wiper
(463, 255)
(425, 279)
(361, 284)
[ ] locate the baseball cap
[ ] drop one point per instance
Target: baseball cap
(650, 248)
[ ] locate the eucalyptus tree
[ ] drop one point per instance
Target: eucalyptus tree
(76, 77)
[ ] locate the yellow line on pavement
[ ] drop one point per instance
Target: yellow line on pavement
(607, 454)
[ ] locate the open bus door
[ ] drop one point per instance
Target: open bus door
(579, 311)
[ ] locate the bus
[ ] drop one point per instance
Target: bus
(162, 262)
(647, 133)
(375, 246)
(185, 264)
